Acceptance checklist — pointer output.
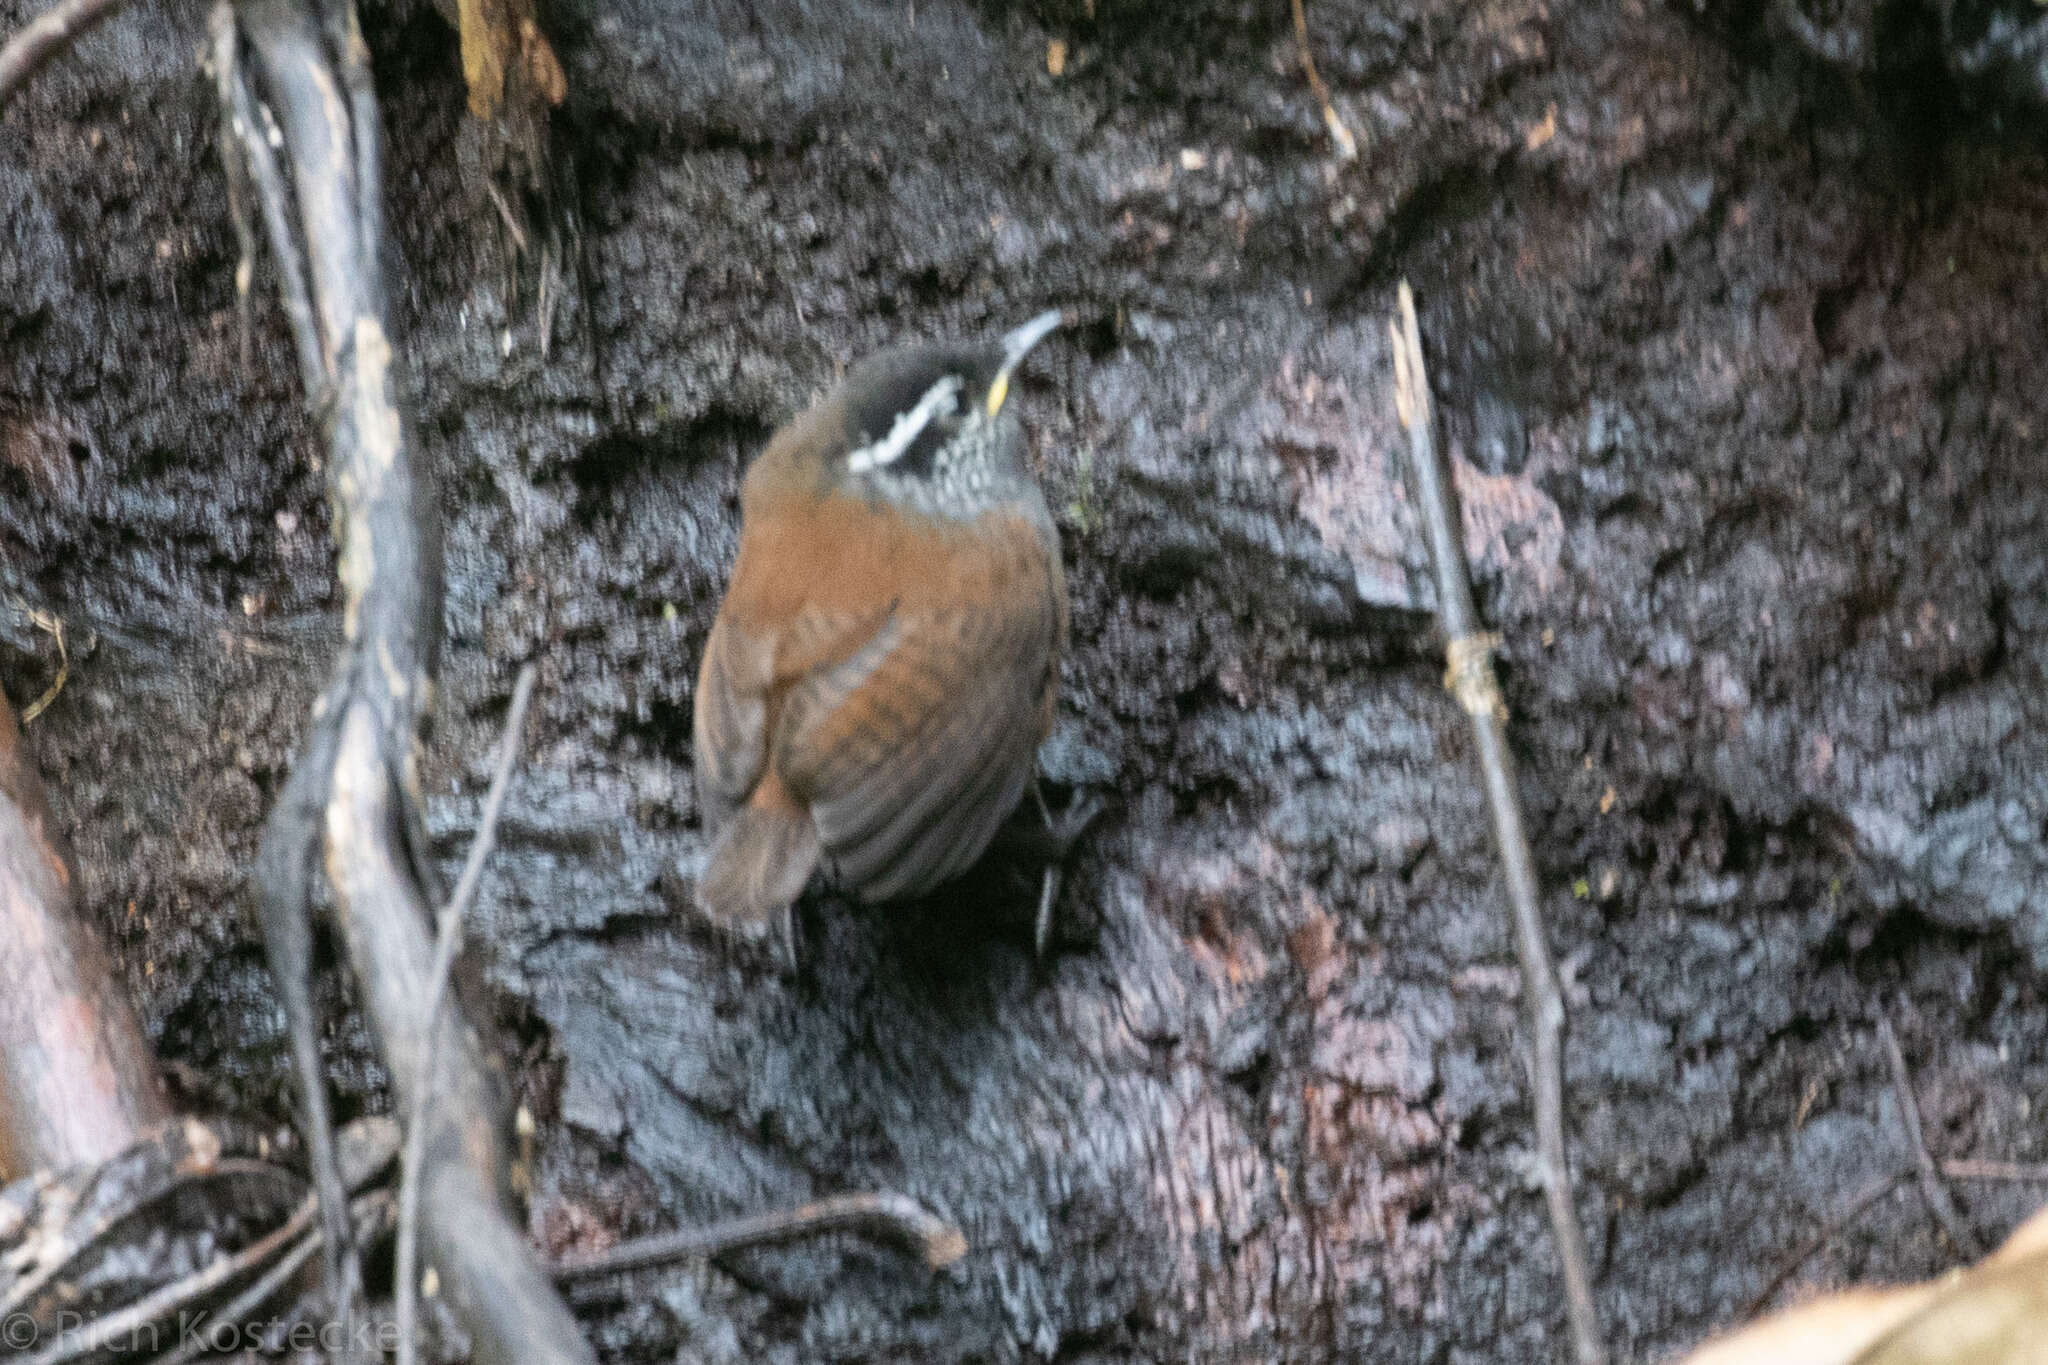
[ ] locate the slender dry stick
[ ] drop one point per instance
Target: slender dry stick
(248, 1301)
(47, 35)
(1469, 653)
(445, 948)
(249, 126)
(1828, 1232)
(896, 1217)
(370, 1214)
(1939, 1201)
(2016, 1172)
(128, 1323)
(1347, 145)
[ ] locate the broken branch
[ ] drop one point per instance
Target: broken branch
(2016, 1172)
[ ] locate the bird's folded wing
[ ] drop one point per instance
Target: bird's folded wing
(730, 734)
(914, 748)
(745, 674)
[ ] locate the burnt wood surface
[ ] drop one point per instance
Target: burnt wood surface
(1743, 380)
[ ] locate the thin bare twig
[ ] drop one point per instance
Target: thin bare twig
(47, 35)
(895, 1217)
(1347, 145)
(2014, 1172)
(370, 1213)
(51, 625)
(248, 124)
(1939, 1202)
(1469, 652)
(1857, 1206)
(448, 944)
(86, 1204)
(128, 1323)
(248, 1301)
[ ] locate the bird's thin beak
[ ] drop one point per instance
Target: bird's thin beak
(1017, 345)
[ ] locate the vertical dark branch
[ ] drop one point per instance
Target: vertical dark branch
(1469, 653)
(387, 523)
(284, 880)
(355, 789)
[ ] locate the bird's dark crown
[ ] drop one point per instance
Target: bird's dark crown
(921, 396)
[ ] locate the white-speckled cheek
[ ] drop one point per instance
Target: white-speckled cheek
(979, 469)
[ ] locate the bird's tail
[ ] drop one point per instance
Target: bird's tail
(758, 867)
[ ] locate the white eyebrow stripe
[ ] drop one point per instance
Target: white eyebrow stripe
(906, 428)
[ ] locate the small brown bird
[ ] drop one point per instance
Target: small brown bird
(882, 670)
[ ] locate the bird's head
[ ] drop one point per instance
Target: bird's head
(930, 421)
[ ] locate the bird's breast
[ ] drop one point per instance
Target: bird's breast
(839, 554)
